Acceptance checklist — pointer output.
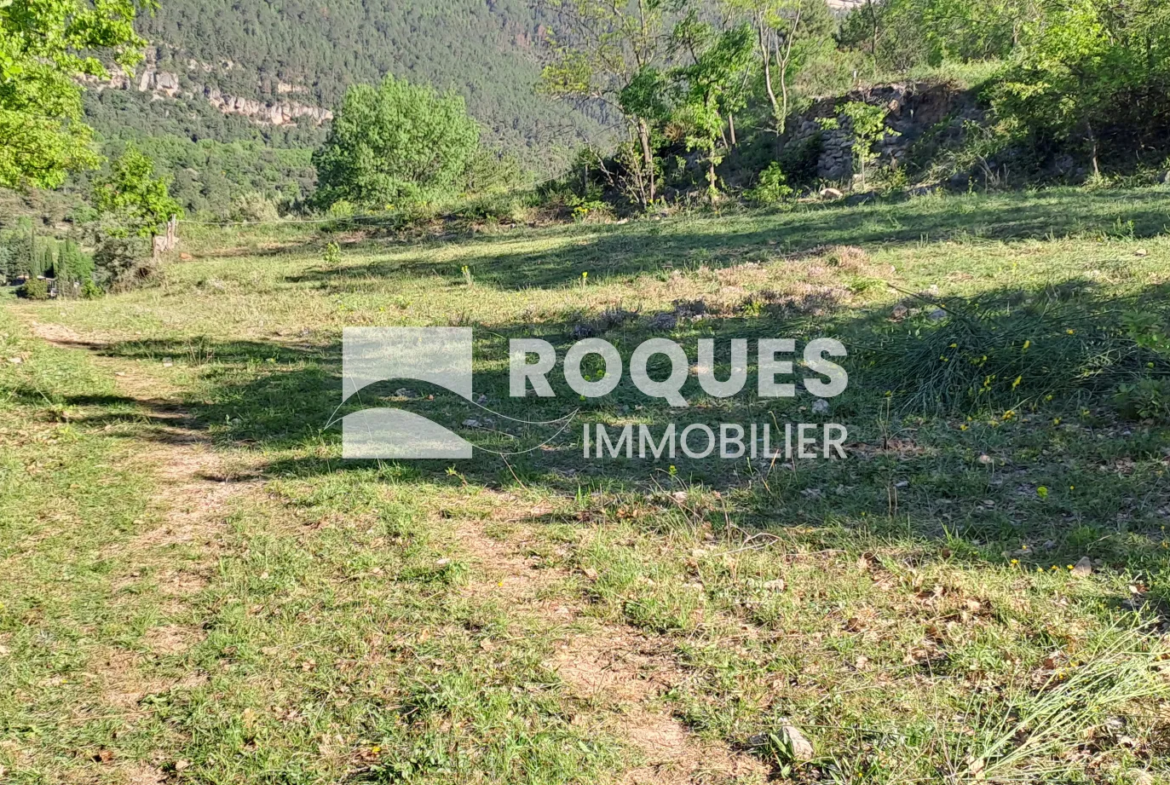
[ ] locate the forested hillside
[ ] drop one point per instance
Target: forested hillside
(224, 70)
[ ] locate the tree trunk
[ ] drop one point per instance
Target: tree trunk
(1093, 144)
(647, 159)
(731, 125)
(766, 54)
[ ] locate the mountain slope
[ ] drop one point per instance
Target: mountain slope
(261, 70)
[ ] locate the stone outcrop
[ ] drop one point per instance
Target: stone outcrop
(913, 110)
(280, 113)
(167, 85)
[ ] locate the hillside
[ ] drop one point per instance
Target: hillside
(254, 70)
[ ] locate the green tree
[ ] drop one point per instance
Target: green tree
(395, 143)
(786, 32)
(713, 86)
(868, 125)
(46, 46)
(131, 193)
(614, 51)
(1085, 64)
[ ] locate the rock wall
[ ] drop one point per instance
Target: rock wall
(167, 85)
(913, 109)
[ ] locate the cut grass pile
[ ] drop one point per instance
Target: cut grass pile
(977, 593)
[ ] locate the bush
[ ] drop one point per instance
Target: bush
(121, 261)
(1146, 399)
(34, 289)
(255, 208)
(772, 188)
(90, 290)
(332, 255)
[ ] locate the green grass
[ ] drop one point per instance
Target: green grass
(910, 609)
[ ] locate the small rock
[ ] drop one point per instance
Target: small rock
(937, 315)
(403, 392)
(1141, 252)
(1083, 568)
(472, 423)
(831, 193)
(168, 362)
(821, 406)
(900, 312)
(15, 360)
(802, 748)
(985, 459)
(481, 400)
(185, 257)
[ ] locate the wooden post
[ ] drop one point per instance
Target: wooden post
(167, 242)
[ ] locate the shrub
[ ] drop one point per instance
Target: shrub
(34, 289)
(1146, 399)
(254, 207)
(332, 255)
(120, 261)
(772, 188)
(341, 209)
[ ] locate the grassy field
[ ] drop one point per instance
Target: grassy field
(198, 589)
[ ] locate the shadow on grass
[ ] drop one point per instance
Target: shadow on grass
(507, 261)
(1064, 474)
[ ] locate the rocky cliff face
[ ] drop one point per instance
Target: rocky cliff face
(912, 110)
(164, 85)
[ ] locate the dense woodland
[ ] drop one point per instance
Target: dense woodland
(309, 53)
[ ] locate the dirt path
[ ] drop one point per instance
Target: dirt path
(617, 673)
(172, 561)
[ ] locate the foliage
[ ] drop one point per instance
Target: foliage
(332, 255)
(207, 176)
(132, 194)
(1086, 65)
(1147, 398)
(34, 289)
(773, 187)
(712, 87)
(45, 47)
(254, 207)
(787, 33)
(868, 125)
(395, 143)
(73, 264)
(613, 53)
(120, 261)
(490, 172)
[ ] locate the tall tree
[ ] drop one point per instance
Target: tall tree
(1085, 64)
(785, 30)
(46, 46)
(134, 196)
(610, 51)
(712, 85)
(395, 143)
